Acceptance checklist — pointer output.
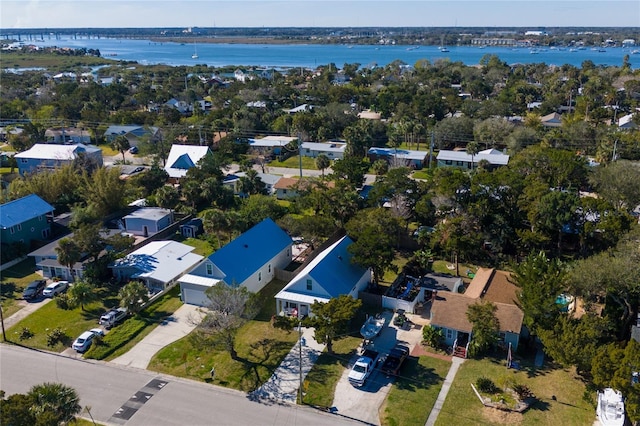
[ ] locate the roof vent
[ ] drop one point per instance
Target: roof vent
(246, 246)
(339, 257)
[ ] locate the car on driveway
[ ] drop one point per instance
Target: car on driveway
(98, 332)
(83, 342)
(133, 150)
(34, 289)
(55, 288)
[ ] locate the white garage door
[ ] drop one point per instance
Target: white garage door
(194, 297)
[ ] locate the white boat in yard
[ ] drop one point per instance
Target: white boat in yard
(610, 408)
(372, 327)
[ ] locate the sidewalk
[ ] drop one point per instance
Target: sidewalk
(455, 364)
(175, 327)
(283, 385)
(28, 308)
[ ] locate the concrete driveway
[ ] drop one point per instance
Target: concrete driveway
(27, 308)
(363, 403)
(175, 327)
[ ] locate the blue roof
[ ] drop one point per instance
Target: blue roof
(250, 251)
(335, 272)
(22, 210)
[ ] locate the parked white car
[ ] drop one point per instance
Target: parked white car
(83, 342)
(55, 288)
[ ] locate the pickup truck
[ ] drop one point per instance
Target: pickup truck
(363, 367)
(112, 317)
(394, 360)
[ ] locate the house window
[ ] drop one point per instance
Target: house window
(449, 334)
(46, 233)
(19, 226)
(269, 268)
(24, 160)
(309, 284)
(40, 218)
(13, 231)
(448, 162)
(33, 229)
(209, 269)
(259, 276)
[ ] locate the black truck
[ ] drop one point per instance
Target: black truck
(394, 360)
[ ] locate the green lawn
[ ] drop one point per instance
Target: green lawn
(108, 151)
(202, 247)
(462, 407)
(261, 348)
(320, 383)
(125, 336)
(414, 393)
(73, 322)
(420, 174)
(294, 163)
(13, 281)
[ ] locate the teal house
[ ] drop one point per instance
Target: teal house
(25, 220)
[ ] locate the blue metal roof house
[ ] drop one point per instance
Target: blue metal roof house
(24, 220)
(330, 274)
(250, 261)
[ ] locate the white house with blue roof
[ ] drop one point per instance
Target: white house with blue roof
(183, 157)
(24, 220)
(328, 275)
(250, 260)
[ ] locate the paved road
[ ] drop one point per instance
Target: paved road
(148, 399)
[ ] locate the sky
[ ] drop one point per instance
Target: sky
(318, 13)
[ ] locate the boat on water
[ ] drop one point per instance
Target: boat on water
(610, 408)
(372, 327)
(195, 52)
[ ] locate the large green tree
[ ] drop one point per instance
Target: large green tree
(331, 319)
(486, 327)
(375, 233)
(540, 281)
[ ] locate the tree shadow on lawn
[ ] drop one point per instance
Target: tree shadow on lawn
(414, 376)
(525, 363)
(261, 355)
(7, 289)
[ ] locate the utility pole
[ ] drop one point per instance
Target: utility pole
(300, 153)
(299, 353)
(433, 139)
(4, 335)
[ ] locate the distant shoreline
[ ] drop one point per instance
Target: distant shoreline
(231, 40)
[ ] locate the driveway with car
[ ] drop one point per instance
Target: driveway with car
(363, 403)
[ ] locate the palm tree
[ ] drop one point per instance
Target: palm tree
(54, 403)
(68, 253)
(472, 149)
(121, 144)
(82, 293)
(133, 295)
(322, 162)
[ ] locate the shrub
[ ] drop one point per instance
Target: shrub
(486, 385)
(63, 302)
(55, 336)
(25, 334)
(433, 336)
(523, 391)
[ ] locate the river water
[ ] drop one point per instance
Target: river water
(313, 55)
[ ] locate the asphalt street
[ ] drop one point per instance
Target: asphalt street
(119, 395)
